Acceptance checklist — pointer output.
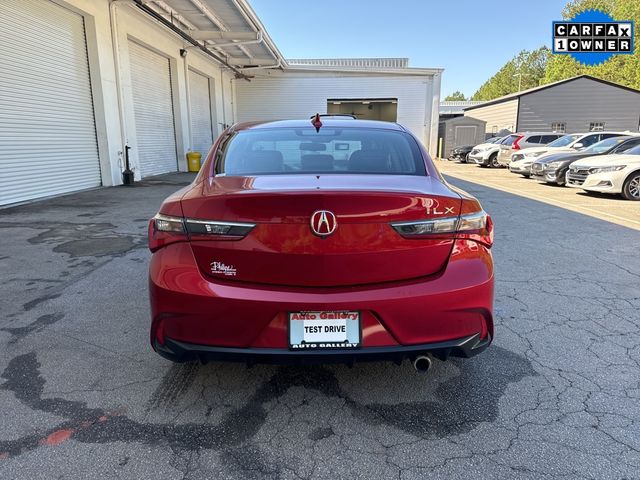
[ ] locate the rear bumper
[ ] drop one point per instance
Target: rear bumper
(176, 351)
(194, 314)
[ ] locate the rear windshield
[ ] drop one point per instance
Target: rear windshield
(281, 151)
(510, 139)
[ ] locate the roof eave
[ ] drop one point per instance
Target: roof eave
(395, 71)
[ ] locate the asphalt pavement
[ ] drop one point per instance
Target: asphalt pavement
(557, 395)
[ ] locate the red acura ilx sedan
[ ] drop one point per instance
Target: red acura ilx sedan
(334, 240)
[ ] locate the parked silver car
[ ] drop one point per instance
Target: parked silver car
(518, 141)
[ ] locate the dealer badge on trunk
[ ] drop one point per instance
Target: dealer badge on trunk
(223, 269)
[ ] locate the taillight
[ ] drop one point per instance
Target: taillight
(208, 228)
(426, 227)
(476, 226)
(164, 230)
(516, 144)
(478, 229)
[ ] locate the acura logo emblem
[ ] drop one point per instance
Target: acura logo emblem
(323, 223)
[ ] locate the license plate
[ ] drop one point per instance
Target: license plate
(324, 330)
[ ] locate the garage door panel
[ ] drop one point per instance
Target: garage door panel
(48, 142)
(153, 111)
(202, 135)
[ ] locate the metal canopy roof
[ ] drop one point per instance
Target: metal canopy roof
(229, 28)
(231, 33)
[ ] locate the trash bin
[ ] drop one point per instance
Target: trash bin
(193, 161)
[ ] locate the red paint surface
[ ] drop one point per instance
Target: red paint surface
(456, 303)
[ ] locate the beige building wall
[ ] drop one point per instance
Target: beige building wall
(501, 116)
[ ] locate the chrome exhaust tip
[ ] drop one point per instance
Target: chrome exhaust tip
(422, 364)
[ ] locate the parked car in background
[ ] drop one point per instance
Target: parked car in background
(521, 167)
(553, 167)
(616, 174)
(461, 154)
(520, 141)
(566, 143)
(528, 155)
(486, 154)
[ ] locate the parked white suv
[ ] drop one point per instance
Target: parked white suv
(617, 174)
(486, 153)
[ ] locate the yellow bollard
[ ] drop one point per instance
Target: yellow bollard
(193, 161)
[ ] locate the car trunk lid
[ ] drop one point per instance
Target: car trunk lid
(282, 248)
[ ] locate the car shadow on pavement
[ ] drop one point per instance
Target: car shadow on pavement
(602, 196)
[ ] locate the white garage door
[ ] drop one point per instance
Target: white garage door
(153, 111)
(47, 128)
(202, 131)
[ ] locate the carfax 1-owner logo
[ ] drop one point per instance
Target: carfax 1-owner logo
(593, 37)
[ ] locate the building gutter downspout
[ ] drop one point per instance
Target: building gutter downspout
(115, 44)
(187, 89)
(433, 121)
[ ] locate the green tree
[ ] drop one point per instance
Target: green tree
(525, 70)
(456, 96)
(623, 69)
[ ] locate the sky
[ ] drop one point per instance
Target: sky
(470, 39)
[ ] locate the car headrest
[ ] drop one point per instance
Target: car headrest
(317, 162)
(313, 147)
(368, 161)
(263, 161)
